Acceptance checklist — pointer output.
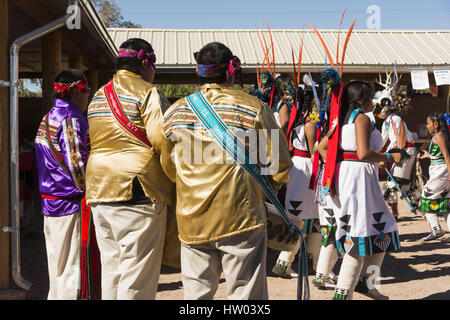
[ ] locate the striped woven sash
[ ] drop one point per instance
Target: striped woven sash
(119, 114)
(241, 155)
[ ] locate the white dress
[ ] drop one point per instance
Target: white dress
(365, 225)
(401, 173)
(299, 198)
(435, 193)
(326, 214)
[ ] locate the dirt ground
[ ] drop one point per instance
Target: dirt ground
(419, 271)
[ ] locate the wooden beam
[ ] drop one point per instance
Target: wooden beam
(40, 15)
(30, 75)
(92, 77)
(5, 258)
(34, 10)
(76, 61)
(51, 67)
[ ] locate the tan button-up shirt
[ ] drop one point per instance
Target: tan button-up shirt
(216, 198)
(117, 157)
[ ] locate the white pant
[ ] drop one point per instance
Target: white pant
(130, 240)
(62, 242)
(242, 259)
(403, 172)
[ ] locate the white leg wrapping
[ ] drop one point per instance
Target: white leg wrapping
(327, 259)
(369, 280)
(287, 257)
(313, 245)
(372, 262)
(433, 221)
(348, 275)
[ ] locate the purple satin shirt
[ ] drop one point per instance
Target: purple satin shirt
(68, 129)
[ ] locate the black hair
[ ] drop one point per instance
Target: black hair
(214, 53)
(281, 82)
(355, 94)
(442, 126)
(378, 121)
(305, 97)
(133, 64)
(67, 76)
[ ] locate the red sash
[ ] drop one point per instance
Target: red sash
(333, 140)
(90, 272)
(119, 114)
(315, 168)
(292, 117)
(300, 153)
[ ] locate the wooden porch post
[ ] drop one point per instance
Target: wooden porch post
(92, 77)
(51, 67)
(76, 61)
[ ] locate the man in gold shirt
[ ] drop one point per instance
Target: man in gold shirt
(220, 208)
(126, 186)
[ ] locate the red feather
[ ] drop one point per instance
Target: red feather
(324, 45)
(273, 49)
(345, 46)
(339, 34)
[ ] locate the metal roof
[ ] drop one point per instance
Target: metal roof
(367, 51)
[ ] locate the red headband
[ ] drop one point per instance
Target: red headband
(148, 57)
(69, 88)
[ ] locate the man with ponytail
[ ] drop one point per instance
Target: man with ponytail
(61, 147)
(220, 208)
(126, 186)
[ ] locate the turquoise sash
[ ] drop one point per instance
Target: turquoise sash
(239, 152)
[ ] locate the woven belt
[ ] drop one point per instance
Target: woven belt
(437, 161)
(46, 196)
(350, 156)
(300, 153)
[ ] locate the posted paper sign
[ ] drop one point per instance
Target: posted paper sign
(419, 79)
(442, 77)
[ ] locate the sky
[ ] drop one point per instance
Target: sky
(287, 14)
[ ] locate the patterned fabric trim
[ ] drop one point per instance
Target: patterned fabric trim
(121, 97)
(319, 278)
(328, 234)
(366, 246)
(99, 107)
(434, 151)
(340, 294)
(236, 117)
(311, 226)
(434, 162)
(434, 205)
(73, 155)
(41, 137)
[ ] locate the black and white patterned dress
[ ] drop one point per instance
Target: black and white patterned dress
(365, 225)
(299, 198)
